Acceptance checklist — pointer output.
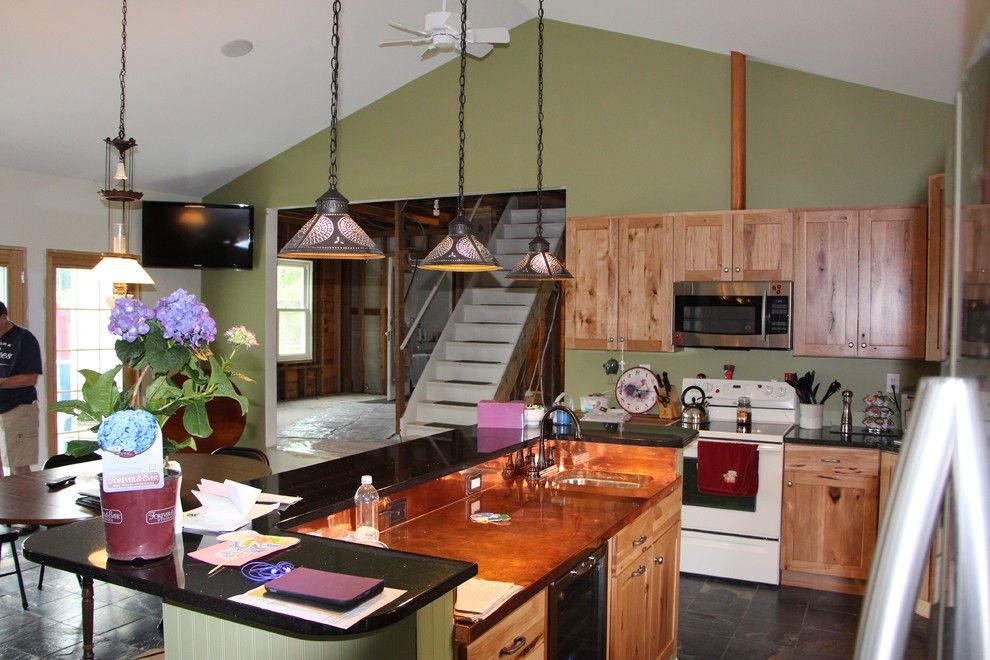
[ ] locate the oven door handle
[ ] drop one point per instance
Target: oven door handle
(691, 448)
(581, 569)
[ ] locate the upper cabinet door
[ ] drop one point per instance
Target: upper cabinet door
(703, 247)
(974, 242)
(826, 283)
(762, 245)
(645, 282)
(892, 263)
(590, 296)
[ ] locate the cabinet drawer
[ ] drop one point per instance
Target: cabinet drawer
(632, 540)
(832, 461)
(522, 634)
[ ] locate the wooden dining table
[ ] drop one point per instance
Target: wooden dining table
(26, 499)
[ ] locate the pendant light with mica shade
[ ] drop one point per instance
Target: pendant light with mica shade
(539, 264)
(460, 250)
(332, 233)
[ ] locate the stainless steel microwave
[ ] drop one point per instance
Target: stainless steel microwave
(733, 314)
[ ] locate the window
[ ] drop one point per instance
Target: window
(295, 309)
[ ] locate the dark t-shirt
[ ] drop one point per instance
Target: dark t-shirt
(19, 354)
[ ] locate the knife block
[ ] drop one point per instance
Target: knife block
(672, 410)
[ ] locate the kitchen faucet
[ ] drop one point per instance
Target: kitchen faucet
(542, 462)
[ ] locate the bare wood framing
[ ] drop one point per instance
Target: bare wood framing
(738, 61)
(14, 259)
(398, 317)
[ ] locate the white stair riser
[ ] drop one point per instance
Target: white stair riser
(486, 332)
(482, 373)
(437, 412)
(528, 231)
(500, 296)
(481, 352)
(511, 246)
(439, 391)
(495, 313)
(414, 431)
(526, 216)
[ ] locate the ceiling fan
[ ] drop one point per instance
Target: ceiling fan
(442, 33)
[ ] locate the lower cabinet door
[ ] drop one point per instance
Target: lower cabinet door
(663, 589)
(629, 634)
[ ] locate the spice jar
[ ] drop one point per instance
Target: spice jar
(744, 414)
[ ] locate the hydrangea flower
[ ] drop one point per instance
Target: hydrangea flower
(129, 319)
(128, 432)
(185, 320)
(241, 336)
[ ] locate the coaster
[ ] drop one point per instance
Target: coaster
(485, 517)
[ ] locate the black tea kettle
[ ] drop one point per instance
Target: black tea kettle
(695, 413)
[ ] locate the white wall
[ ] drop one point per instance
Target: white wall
(40, 212)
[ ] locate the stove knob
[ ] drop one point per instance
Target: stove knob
(781, 391)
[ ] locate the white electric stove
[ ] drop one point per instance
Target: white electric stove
(730, 536)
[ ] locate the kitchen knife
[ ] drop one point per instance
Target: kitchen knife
(666, 381)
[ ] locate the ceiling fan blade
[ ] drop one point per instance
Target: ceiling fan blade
(489, 35)
(428, 53)
(406, 42)
(479, 50)
(400, 26)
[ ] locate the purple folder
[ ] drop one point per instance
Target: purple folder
(335, 589)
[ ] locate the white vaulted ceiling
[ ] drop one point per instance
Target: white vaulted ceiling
(202, 119)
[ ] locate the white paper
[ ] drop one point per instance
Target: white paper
(226, 506)
(477, 598)
(613, 416)
(346, 619)
(283, 501)
(202, 519)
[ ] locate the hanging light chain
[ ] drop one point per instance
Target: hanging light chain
(123, 66)
(334, 66)
(460, 114)
(539, 130)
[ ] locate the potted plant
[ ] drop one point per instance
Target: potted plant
(173, 338)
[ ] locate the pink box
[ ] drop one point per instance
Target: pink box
(501, 414)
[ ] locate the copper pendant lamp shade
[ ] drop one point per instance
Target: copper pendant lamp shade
(538, 264)
(460, 250)
(332, 233)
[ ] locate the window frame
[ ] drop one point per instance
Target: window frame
(307, 267)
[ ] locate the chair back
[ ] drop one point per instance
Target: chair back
(246, 452)
(61, 460)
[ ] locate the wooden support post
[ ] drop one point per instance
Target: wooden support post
(398, 316)
(361, 267)
(346, 327)
(738, 61)
(383, 322)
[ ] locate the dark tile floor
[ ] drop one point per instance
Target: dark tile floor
(733, 620)
(719, 619)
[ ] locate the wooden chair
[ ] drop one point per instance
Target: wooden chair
(11, 538)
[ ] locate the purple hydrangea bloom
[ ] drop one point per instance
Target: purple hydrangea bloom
(129, 319)
(185, 320)
(128, 432)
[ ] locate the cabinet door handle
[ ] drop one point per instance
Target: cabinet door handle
(790, 483)
(640, 541)
(658, 560)
(639, 571)
(516, 646)
(831, 460)
(851, 345)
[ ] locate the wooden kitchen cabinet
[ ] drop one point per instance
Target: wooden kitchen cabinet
(829, 520)
(521, 634)
(644, 584)
(974, 243)
(737, 245)
(859, 288)
(621, 293)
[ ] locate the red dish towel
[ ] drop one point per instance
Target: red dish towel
(728, 468)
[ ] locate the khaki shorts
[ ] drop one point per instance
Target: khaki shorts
(19, 436)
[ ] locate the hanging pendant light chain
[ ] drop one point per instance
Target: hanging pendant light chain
(460, 114)
(539, 131)
(334, 66)
(123, 66)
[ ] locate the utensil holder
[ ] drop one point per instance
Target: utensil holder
(810, 415)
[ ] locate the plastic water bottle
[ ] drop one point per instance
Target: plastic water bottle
(366, 510)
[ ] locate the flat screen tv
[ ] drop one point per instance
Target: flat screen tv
(181, 235)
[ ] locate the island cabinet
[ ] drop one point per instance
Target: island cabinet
(621, 293)
(522, 634)
(829, 524)
(734, 245)
(859, 288)
(643, 584)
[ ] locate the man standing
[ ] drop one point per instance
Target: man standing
(20, 366)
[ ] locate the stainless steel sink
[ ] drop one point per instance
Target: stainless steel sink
(593, 479)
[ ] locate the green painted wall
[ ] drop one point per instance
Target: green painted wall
(631, 126)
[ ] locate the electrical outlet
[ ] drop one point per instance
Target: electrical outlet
(893, 382)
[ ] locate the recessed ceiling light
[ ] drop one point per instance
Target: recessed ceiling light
(237, 48)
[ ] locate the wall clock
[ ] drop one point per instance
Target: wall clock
(636, 390)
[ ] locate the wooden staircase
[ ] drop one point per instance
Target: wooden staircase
(479, 353)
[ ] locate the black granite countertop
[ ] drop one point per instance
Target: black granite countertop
(830, 436)
(325, 488)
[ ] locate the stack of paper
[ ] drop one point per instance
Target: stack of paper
(226, 506)
(477, 598)
(283, 501)
(612, 416)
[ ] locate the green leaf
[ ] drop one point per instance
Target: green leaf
(169, 447)
(195, 420)
(164, 356)
(130, 352)
(100, 390)
(81, 447)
